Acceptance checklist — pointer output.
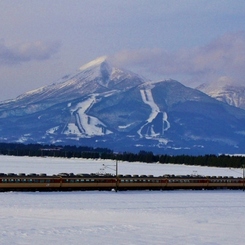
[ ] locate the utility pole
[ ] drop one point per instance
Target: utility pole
(243, 175)
(114, 169)
(116, 175)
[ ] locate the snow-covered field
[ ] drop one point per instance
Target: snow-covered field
(133, 217)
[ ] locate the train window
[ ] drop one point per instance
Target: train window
(17, 180)
(47, 181)
(29, 180)
(41, 180)
(77, 181)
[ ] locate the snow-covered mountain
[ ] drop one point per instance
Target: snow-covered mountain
(104, 106)
(95, 77)
(226, 92)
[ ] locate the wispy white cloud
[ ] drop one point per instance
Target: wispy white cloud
(24, 52)
(222, 57)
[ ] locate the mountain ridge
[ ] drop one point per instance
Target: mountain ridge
(105, 106)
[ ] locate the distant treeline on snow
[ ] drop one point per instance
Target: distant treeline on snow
(17, 149)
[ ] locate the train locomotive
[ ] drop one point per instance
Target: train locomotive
(85, 182)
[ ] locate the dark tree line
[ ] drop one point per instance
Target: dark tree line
(68, 151)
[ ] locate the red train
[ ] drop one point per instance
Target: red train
(71, 182)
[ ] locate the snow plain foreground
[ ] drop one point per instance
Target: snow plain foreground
(132, 217)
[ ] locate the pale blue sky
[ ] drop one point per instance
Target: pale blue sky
(193, 41)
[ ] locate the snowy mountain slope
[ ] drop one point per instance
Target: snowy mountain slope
(104, 106)
(196, 120)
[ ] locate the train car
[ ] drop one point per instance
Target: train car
(87, 182)
(187, 182)
(141, 182)
(30, 182)
(225, 183)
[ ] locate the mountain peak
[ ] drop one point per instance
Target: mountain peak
(225, 91)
